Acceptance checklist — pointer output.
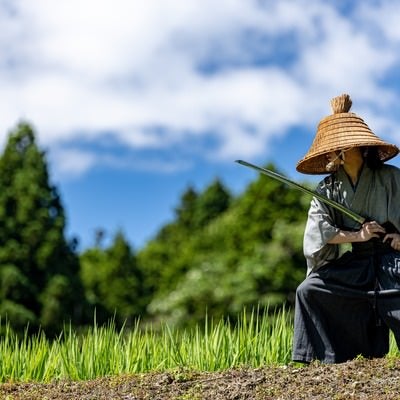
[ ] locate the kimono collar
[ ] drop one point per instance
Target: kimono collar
(365, 172)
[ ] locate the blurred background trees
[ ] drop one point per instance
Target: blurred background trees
(219, 254)
(112, 282)
(38, 268)
(248, 254)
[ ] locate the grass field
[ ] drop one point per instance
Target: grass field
(252, 342)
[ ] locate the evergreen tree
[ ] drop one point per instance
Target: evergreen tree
(211, 203)
(112, 281)
(185, 212)
(158, 259)
(38, 268)
(250, 255)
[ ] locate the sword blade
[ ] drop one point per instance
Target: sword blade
(351, 214)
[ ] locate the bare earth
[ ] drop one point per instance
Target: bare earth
(359, 379)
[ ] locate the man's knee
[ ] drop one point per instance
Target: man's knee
(305, 290)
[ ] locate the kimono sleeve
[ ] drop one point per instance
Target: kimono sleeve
(393, 196)
(319, 230)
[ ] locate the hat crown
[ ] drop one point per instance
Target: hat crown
(341, 104)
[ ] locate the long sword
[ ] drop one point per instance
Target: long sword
(372, 293)
(281, 178)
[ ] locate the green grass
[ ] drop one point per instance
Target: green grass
(253, 341)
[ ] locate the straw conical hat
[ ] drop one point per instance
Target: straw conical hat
(339, 131)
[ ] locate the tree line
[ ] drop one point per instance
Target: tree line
(220, 254)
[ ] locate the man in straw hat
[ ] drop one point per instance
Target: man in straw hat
(336, 318)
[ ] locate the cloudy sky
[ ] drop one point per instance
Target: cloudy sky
(135, 100)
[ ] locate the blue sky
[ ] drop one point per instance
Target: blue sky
(135, 100)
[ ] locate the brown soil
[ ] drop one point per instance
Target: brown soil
(359, 379)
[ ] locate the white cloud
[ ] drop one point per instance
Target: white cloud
(82, 70)
(383, 19)
(71, 161)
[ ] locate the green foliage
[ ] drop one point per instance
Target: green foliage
(265, 202)
(38, 268)
(112, 281)
(211, 203)
(167, 258)
(218, 255)
(221, 282)
(185, 212)
(243, 252)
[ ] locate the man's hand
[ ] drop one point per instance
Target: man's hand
(368, 231)
(395, 240)
(371, 230)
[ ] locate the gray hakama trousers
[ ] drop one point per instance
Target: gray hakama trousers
(336, 319)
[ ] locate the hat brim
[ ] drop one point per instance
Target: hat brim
(315, 164)
(341, 131)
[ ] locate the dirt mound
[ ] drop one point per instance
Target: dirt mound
(359, 379)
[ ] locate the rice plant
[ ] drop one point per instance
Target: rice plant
(255, 340)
